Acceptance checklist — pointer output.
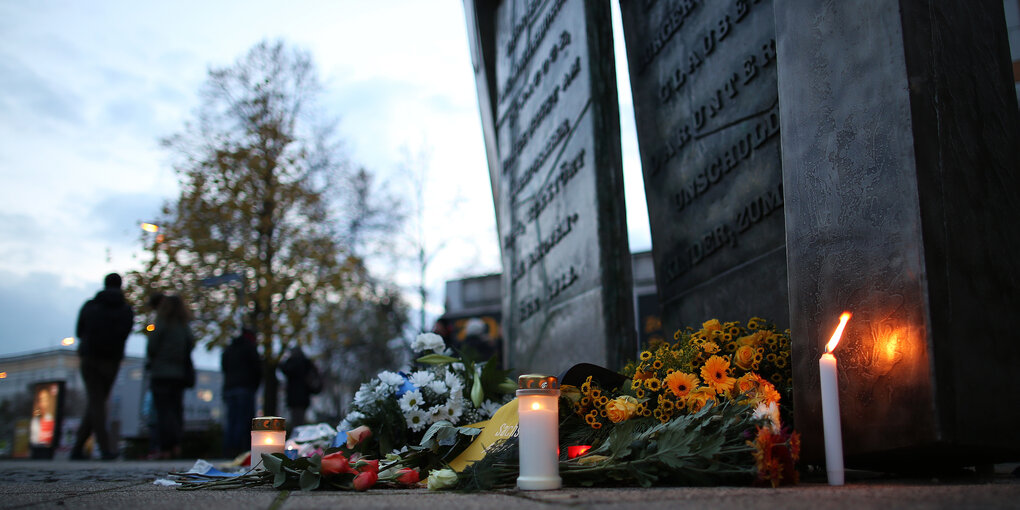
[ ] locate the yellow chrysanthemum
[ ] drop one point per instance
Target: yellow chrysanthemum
(715, 373)
(636, 383)
(681, 383)
(657, 364)
(596, 425)
(639, 393)
(653, 384)
(646, 355)
(603, 400)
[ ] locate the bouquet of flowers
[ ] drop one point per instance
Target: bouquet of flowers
(399, 407)
(704, 410)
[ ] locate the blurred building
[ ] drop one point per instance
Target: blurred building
(128, 409)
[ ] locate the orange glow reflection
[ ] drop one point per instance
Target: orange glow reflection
(836, 335)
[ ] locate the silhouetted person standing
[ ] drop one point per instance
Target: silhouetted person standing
(168, 359)
(104, 324)
(298, 368)
(242, 374)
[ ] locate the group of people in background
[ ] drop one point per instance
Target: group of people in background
(106, 320)
(104, 324)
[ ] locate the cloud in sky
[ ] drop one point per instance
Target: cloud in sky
(91, 87)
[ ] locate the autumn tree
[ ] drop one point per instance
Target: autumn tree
(253, 237)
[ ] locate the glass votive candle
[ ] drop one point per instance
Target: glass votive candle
(538, 432)
(268, 435)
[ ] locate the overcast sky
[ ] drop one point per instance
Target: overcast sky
(88, 88)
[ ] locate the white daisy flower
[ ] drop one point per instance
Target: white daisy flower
(391, 379)
(364, 395)
(428, 342)
(421, 378)
(448, 411)
(411, 400)
(417, 419)
(439, 387)
(489, 408)
(452, 380)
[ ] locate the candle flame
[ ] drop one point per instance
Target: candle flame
(836, 335)
(268, 440)
(536, 406)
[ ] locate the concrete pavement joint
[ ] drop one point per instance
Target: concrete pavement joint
(281, 498)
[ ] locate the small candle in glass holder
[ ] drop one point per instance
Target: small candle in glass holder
(268, 435)
(538, 432)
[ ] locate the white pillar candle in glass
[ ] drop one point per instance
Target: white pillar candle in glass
(830, 406)
(268, 435)
(538, 432)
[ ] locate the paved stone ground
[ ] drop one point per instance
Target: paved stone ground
(113, 485)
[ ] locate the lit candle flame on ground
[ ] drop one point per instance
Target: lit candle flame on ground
(836, 335)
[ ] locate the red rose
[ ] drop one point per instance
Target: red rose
(367, 465)
(335, 463)
(365, 480)
(408, 476)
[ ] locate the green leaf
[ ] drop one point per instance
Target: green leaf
(279, 480)
(436, 359)
(309, 481)
(272, 463)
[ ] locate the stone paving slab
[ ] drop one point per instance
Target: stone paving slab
(115, 485)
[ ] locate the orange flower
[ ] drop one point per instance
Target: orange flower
(356, 436)
(681, 383)
(709, 326)
(699, 398)
(744, 357)
(775, 455)
(621, 408)
(715, 374)
(710, 347)
(748, 384)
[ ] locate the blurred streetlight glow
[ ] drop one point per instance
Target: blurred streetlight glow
(149, 227)
(67, 342)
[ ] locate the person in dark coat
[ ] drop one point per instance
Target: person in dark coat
(168, 360)
(299, 396)
(477, 345)
(104, 324)
(242, 374)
